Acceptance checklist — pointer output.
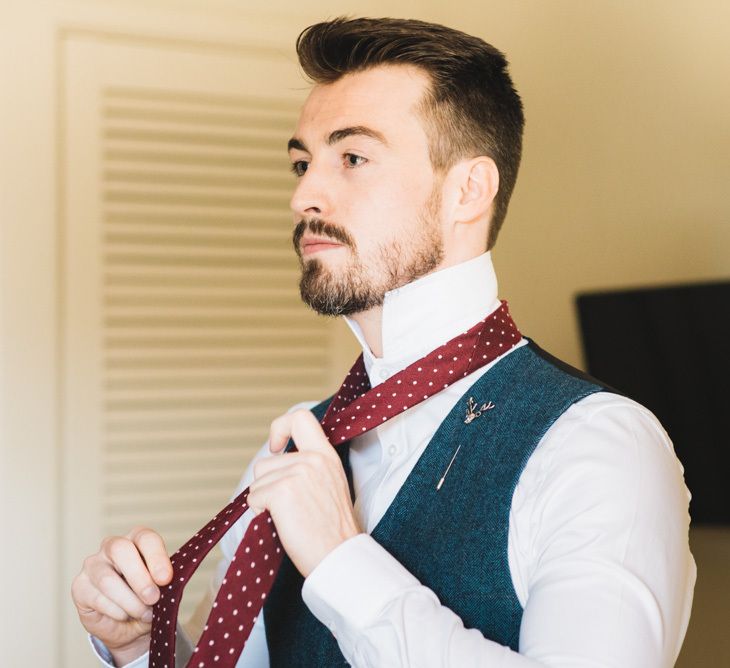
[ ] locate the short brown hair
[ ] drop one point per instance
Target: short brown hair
(471, 108)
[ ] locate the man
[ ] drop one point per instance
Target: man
(521, 515)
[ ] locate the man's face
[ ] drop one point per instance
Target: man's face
(367, 203)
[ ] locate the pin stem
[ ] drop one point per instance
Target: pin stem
(441, 482)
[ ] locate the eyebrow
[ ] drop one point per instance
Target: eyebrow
(338, 135)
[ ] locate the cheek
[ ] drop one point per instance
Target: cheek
(404, 210)
(397, 197)
(362, 208)
(375, 210)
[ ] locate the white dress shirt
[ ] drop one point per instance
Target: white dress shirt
(598, 528)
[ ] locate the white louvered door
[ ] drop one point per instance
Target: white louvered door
(183, 333)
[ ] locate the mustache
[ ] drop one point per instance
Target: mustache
(321, 228)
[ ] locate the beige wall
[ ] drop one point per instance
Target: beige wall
(623, 183)
(627, 150)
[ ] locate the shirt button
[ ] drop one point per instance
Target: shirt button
(392, 450)
(384, 373)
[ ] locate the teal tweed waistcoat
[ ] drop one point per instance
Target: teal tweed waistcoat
(454, 540)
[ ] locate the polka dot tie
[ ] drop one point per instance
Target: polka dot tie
(355, 409)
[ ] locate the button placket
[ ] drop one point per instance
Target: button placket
(391, 433)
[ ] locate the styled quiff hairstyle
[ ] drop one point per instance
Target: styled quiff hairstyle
(471, 107)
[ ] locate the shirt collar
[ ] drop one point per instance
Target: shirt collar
(428, 312)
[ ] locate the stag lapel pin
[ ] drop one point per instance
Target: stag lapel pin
(473, 412)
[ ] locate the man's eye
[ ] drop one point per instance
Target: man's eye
(299, 167)
(352, 160)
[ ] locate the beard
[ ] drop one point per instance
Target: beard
(363, 282)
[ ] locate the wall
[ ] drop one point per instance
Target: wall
(627, 150)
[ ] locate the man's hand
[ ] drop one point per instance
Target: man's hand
(306, 492)
(116, 588)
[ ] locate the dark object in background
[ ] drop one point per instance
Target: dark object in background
(669, 349)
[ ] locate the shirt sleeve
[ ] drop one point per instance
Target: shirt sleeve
(105, 657)
(609, 575)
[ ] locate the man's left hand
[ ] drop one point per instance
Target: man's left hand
(306, 492)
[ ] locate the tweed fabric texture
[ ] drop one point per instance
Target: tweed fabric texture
(452, 539)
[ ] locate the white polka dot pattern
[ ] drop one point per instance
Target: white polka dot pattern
(356, 408)
(365, 409)
(239, 600)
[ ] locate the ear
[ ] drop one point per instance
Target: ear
(478, 181)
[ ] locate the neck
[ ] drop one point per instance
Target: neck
(450, 298)
(371, 325)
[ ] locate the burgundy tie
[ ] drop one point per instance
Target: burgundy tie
(354, 410)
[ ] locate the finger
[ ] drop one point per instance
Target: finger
(117, 591)
(105, 606)
(103, 626)
(124, 557)
(273, 486)
(280, 432)
(154, 552)
(91, 618)
(270, 477)
(282, 479)
(264, 466)
(303, 427)
(90, 601)
(308, 435)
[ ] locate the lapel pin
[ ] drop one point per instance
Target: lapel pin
(443, 477)
(472, 412)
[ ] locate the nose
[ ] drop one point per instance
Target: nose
(310, 197)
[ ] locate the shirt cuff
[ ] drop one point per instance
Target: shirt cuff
(105, 656)
(350, 587)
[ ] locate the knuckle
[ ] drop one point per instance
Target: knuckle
(286, 494)
(107, 581)
(76, 587)
(315, 461)
(107, 542)
(89, 563)
(115, 545)
(277, 424)
(105, 606)
(306, 461)
(300, 415)
(97, 601)
(141, 533)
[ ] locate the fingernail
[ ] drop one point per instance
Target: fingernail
(147, 616)
(149, 592)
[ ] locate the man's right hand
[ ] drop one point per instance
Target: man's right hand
(116, 588)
